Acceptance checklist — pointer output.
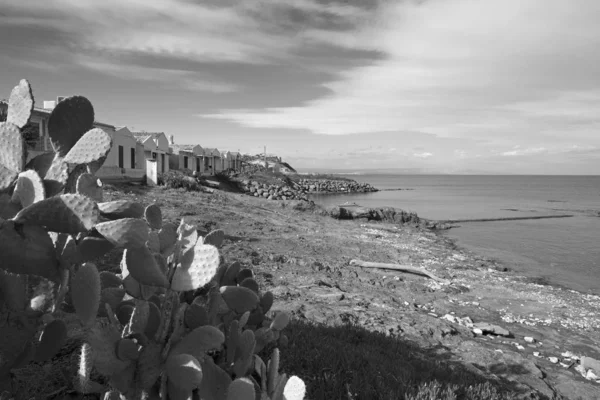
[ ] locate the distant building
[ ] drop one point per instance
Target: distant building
(155, 147)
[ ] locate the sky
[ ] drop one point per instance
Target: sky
(426, 86)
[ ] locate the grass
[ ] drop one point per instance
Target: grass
(349, 362)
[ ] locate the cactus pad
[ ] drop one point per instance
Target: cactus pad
(56, 177)
(153, 320)
(149, 365)
(127, 350)
(266, 302)
(90, 186)
(85, 293)
(241, 389)
(14, 291)
(153, 242)
(142, 266)
(29, 189)
(68, 213)
(251, 284)
(7, 177)
(111, 296)
(184, 371)
(153, 215)
(295, 389)
(243, 274)
(121, 209)
(125, 232)
(20, 104)
(215, 382)
(231, 273)
(199, 341)
(103, 340)
(200, 271)
(27, 250)
(109, 280)
(239, 299)
(280, 321)
(167, 236)
(215, 238)
(53, 338)
(91, 248)
(12, 147)
(69, 120)
(139, 318)
(196, 316)
(92, 146)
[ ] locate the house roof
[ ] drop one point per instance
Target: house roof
(235, 153)
(211, 151)
(47, 112)
(143, 136)
(188, 148)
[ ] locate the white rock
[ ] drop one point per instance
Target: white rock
(477, 331)
(450, 318)
(536, 354)
(553, 360)
(591, 375)
(529, 339)
(520, 347)
(581, 369)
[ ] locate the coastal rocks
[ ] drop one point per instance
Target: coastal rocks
(388, 214)
(274, 192)
(335, 186)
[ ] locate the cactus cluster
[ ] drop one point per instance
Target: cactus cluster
(175, 323)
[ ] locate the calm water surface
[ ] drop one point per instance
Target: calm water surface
(565, 251)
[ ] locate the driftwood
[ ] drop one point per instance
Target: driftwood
(398, 267)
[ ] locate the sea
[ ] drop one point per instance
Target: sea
(563, 251)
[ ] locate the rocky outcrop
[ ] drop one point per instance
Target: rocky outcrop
(334, 186)
(388, 214)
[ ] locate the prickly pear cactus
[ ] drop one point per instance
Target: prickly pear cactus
(175, 323)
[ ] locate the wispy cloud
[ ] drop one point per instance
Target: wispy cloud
(423, 155)
(459, 68)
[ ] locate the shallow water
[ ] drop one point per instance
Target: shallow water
(565, 251)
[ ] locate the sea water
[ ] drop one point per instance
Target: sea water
(563, 251)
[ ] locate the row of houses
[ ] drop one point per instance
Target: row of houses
(133, 153)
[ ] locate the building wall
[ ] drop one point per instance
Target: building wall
(127, 142)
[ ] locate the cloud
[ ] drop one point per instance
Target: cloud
(187, 80)
(423, 155)
(523, 152)
(459, 68)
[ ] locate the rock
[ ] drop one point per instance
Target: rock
(553, 360)
(590, 375)
(581, 369)
(493, 329)
(477, 331)
(529, 339)
(589, 362)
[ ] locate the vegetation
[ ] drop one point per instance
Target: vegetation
(175, 179)
(176, 321)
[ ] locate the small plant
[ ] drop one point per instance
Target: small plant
(176, 321)
(179, 180)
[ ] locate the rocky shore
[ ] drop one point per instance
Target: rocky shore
(301, 189)
(335, 186)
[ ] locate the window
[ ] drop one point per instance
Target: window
(120, 156)
(185, 162)
(154, 156)
(133, 158)
(162, 162)
(198, 164)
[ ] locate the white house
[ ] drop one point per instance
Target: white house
(212, 161)
(186, 156)
(155, 147)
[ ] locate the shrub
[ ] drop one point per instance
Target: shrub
(177, 179)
